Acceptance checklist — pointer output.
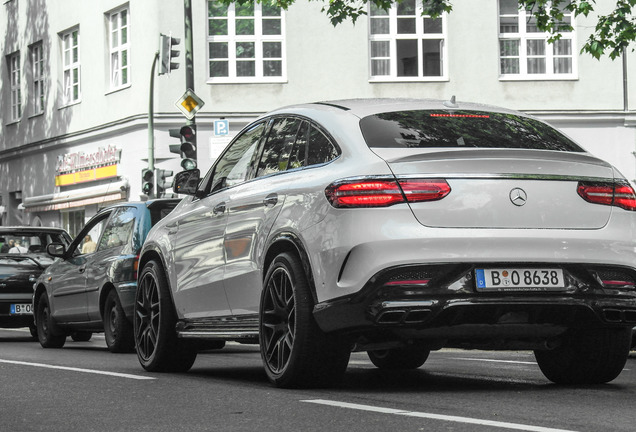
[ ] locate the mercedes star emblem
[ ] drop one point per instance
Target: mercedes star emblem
(518, 196)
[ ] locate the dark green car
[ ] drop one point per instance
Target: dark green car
(91, 286)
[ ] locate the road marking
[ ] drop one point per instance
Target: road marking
(93, 371)
(382, 410)
(494, 360)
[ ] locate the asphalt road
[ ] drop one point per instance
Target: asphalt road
(83, 387)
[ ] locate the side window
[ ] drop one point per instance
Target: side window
(234, 165)
(298, 157)
(278, 146)
(89, 242)
(119, 228)
(319, 149)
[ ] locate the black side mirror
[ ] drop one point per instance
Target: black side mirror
(56, 250)
(186, 182)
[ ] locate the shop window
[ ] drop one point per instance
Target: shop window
(73, 221)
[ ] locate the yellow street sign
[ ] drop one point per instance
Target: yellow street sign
(189, 104)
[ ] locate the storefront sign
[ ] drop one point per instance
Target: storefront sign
(80, 167)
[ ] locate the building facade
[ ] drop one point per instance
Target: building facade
(76, 87)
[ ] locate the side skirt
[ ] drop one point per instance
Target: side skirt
(242, 329)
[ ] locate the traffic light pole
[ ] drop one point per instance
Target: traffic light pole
(151, 117)
(189, 57)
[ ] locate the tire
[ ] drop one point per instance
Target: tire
(586, 357)
(49, 335)
(411, 357)
(210, 345)
(295, 352)
(118, 331)
(34, 332)
(156, 342)
(81, 336)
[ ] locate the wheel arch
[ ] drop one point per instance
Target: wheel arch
(150, 254)
(40, 290)
(103, 294)
(289, 242)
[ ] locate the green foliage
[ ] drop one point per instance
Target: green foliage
(613, 32)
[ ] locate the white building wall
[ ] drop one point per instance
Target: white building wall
(322, 63)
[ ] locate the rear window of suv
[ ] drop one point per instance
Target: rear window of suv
(482, 129)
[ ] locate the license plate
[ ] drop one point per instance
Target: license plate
(519, 279)
(21, 309)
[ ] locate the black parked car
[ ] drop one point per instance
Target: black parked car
(22, 259)
(91, 288)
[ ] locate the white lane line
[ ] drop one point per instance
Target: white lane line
(93, 371)
(494, 360)
(505, 425)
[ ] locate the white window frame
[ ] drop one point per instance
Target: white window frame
(523, 37)
(393, 36)
(15, 85)
(118, 50)
(258, 38)
(39, 78)
(71, 68)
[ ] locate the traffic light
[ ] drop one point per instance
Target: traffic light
(147, 181)
(162, 183)
(167, 55)
(188, 135)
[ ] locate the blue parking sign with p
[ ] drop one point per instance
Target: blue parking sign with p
(221, 127)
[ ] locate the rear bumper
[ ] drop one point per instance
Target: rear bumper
(450, 309)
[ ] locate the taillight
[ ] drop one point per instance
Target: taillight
(365, 193)
(135, 267)
(418, 190)
(615, 194)
(384, 193)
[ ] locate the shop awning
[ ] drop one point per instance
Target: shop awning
(115, 191)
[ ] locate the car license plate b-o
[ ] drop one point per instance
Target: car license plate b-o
(519, 279)
(21, 309)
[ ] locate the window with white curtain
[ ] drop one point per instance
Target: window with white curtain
(246, 43)
(119, 40)
(15, 85)
(71, 89)
(405, 45)
(524, 50)
(38, 74)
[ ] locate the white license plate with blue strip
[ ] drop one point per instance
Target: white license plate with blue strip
(519, 279)
(21, 309)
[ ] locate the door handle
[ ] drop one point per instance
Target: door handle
(219, 208)
(270, 200)
(82, 269)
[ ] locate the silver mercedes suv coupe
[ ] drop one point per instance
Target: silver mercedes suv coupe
(394, 227)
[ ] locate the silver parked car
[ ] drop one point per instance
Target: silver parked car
(396, 227)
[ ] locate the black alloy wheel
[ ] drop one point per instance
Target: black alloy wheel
(156, 342)
(48, 333)
(118, 330)
(295, 352)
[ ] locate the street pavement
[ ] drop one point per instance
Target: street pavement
(83, 387)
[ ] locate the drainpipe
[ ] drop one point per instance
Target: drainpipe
(625, 98)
